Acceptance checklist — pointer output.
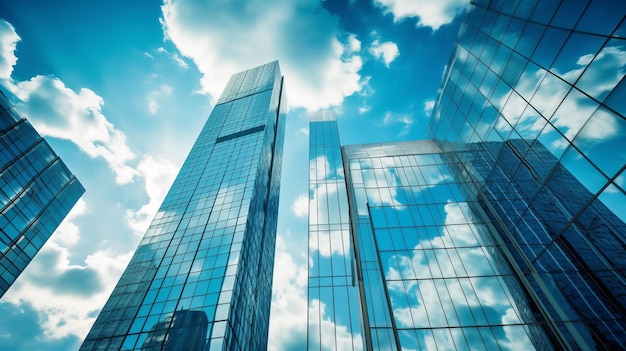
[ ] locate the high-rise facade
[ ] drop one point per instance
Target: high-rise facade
(532, 113)
(36, 193)
(201, 277)
(332, 290)
(415, 264)
(504, 230)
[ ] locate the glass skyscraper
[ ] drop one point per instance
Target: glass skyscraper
(333, 294)
(532, 116)
(36, 193)
(201, 277)
(412, 262)
(504, 230)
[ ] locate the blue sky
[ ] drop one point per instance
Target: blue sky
(121, 89)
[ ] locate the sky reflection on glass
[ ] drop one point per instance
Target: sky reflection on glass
(444, 283)
(540, 86)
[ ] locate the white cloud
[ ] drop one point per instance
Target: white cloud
(68, 232)
(353, 45)
(300, 207)
(155, 95)
(387, 51)
(331, 242)
(59, 112)
(364, 109)
(320, 196)
(289, 303)
(224, 38)
(288, 325)
(320, 168)
(334, 336)
(432, 14)
(604, 73)
(158, 176)
(67, 296)
(431, 298)
(428, 107)
(8, 43)
(366, 87)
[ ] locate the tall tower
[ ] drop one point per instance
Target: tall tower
(36, 193)
(401, 258)
(506, 230)
(205, 265)
(333, 291)
(531, 113)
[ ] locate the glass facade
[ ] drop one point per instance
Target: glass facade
(504, 230)
(412, 263)
(201, 277)
(333, 292)
(36, 193)
(531, 114)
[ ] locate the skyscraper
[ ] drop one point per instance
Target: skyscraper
(504, 230)
(36, 193)
(532, 114)
(332, 290)
(203, 271)
(417, 264)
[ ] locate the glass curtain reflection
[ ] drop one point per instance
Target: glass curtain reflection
(434, 277)
(333, 313)
(532, 116)
(201, 277)
(36, 192)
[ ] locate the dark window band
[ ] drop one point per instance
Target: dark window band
(240, 134)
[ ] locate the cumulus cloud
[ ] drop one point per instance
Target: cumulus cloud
(325, 198)
(288, 325)
(224, 38)
(8, 43)
(300, 207)
(604, 73)
(456, 252)
(158, 176)
(353, 44)
(568, 113)
(318, 204)
(366, 87)
(289, 303)
(387, 51)
(432, 14)
(68, 232)
(334, 336)
(67, 296)
(52, 284)
(332, 242)
(320, 168)
(59, 112)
